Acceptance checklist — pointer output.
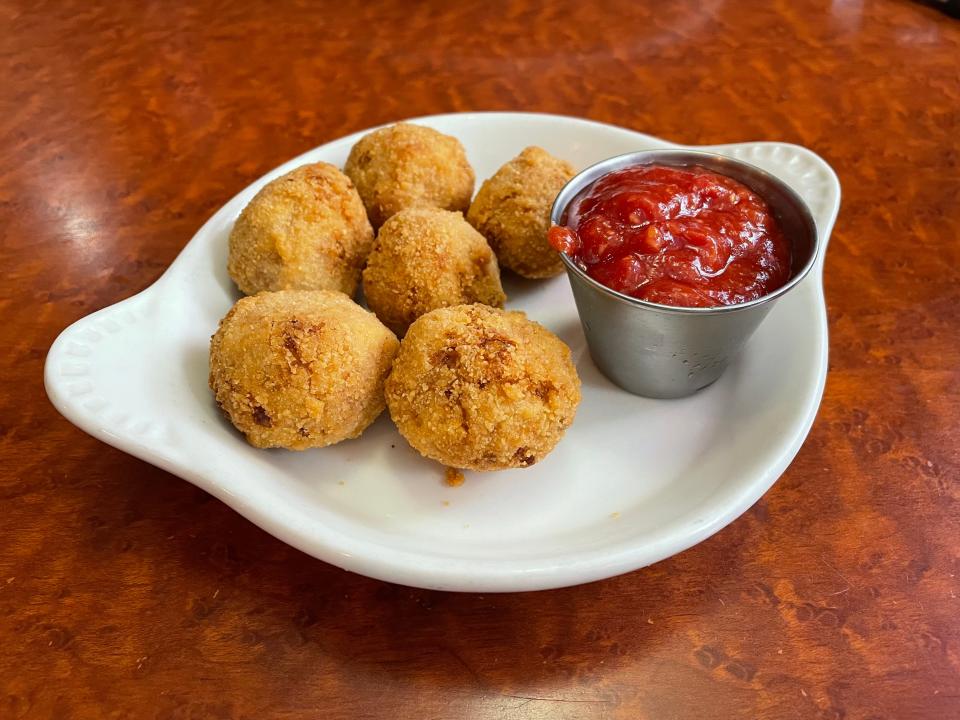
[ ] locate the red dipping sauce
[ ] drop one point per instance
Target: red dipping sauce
(682, 236)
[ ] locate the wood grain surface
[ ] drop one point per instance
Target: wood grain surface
(127, 593)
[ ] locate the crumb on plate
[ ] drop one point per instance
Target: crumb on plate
(453, 478)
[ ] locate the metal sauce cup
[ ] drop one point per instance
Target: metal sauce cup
(661, 351)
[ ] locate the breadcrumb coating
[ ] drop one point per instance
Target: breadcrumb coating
(404, 166)
(424, 259)
(299, 369)
(479, 388)
(306, 230)
(512, 210)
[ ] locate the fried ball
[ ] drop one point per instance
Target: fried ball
(404, 166)
(306, 230)
(300, 368)
(424, 259)
(512, 210)
(482, 389)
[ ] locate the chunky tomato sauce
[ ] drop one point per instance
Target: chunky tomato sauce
(686, 237)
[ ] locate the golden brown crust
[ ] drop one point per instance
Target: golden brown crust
(482, 389)
(404, 166)
(306, 230)
(424, 259)
(298, 369)
(512, 210)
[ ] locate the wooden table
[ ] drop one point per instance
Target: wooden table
(127, 593)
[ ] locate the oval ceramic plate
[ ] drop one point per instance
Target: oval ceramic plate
(633, 481)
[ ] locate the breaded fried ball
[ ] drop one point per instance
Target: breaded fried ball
(306, 230)
(482, 389)
(404, 166)
(424, 259)
(299, 369)
(512, 210)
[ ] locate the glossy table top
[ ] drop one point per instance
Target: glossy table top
(126, 592)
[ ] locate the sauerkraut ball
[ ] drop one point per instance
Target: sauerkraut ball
(424, 259)
(479, 388)
(404, 166)
(300, 368)
(512, 211)
(306, 230)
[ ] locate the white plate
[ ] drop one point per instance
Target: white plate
(634, 480)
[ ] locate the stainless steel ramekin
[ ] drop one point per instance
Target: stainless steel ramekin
(669, 352)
